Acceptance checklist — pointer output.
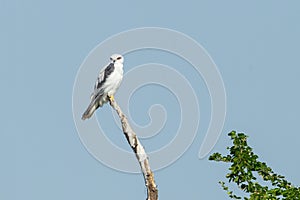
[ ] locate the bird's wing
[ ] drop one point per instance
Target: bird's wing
(98, 88)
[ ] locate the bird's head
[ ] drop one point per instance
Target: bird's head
(117, 58)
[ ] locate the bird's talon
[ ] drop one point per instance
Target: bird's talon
(111, 98)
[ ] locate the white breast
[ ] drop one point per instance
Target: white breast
(113, 81)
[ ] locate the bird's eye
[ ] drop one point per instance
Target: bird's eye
(110, 58)
(119, 58)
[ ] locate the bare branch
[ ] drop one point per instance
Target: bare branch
(152, 192)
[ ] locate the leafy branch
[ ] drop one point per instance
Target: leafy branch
(244, 170)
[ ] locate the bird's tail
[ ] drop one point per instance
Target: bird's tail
(90, 110)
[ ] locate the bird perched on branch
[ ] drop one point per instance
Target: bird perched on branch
(106, 85)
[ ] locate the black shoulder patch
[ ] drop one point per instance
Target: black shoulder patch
(108, 70)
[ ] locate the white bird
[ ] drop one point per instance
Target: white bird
(106, 85)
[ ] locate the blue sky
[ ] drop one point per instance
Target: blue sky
(254, 44)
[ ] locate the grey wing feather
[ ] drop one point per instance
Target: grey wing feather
(98, 92)
(94, 104)
(99, 80)
(104, 73)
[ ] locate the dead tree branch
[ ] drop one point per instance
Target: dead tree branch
(152, 192)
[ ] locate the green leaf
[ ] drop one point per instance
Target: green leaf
(243, 163)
